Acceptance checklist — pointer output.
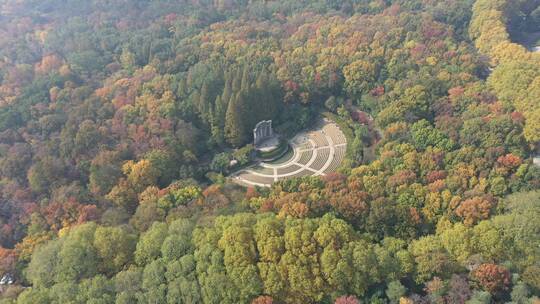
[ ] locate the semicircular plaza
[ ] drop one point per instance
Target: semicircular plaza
(315, 152)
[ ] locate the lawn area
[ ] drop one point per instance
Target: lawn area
(283, 159)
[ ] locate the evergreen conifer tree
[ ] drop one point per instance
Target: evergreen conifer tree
(234, 125)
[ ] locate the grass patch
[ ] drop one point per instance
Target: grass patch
(277, 153)
(283, 159)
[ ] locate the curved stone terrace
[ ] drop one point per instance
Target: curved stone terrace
(318, 151)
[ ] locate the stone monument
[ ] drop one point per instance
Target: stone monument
(263, 131)
(264, 138)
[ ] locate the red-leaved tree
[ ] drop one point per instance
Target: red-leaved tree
(492, 277)
(347, 300)
(263, 300)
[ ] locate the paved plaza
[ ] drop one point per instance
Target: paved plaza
(315, 152)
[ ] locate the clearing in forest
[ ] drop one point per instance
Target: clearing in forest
(315, 152)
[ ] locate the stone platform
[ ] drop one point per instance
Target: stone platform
(318, 151)
(268, 145)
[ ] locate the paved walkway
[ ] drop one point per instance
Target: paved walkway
(325, 137)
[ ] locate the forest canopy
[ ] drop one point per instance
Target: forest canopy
(121, 120)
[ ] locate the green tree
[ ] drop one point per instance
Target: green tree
(220, 162)
(33, 295)
(42, 269)
(431, 259)
(96, 290)
(239, 258)
(164, 163)
(424, 135)
(115, 247)
(178, 242)
(205, 103)
(78, 259)
(149, 245)
(154, 283)
(128, 283)
(235, 132)
(480, 297)
(183, 286)
(520, 293)
(395, 291)
(218, 120)
(105, 170)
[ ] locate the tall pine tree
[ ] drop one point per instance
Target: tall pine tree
(245, 84)
(218, 121)
(204, 104)
(236, 84)
(235, 131)
(227, 91)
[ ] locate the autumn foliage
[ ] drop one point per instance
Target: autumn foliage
(121, 123)
(347, 300)
(493, 278)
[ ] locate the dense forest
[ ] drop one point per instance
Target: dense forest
(119, 120)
